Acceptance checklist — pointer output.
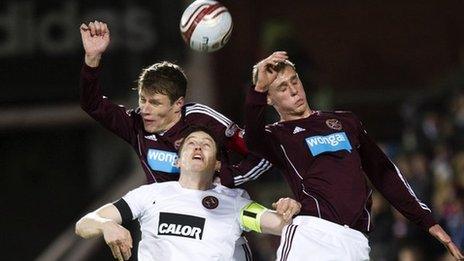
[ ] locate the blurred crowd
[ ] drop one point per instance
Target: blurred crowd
(431, 158)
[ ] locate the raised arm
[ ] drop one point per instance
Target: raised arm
(258, 138)
(95, 40)
(106, 221)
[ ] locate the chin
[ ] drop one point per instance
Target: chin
(150, 129)
(301, 109)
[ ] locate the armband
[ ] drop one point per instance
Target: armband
(250, 216)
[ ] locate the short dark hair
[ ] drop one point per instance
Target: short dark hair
(197, 128)
(165, 78)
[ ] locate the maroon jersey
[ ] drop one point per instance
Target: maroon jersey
(325, 159)
(158, 151)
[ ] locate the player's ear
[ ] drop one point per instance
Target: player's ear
(177, 162)
(269, 100)
(217, 166)
(179, 103)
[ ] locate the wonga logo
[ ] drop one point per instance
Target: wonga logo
(333, 142)
(161, 160)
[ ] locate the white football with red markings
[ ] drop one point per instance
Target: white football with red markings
(206, 25)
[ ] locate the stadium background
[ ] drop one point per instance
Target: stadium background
(399, 65)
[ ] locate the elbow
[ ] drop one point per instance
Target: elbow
(85, 106)
(78, 229)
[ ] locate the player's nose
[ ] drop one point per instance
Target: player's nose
(144, 109)
(293, 90)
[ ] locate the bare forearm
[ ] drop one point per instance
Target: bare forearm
(273, 223)
(92, 60)
(91, 225)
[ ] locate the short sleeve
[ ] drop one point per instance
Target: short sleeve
(138, 199)
(243, 199)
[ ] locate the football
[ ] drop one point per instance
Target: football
(206, 25)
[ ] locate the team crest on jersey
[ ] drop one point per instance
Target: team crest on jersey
(333, 124)
(329, 143)
(210, 202)
(164, 161)
(172, 224)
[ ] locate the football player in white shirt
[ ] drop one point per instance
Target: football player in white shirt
(189, 219)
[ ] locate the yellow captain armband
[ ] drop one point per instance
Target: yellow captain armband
(250, 216)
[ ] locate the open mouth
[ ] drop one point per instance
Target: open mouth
(197, 157)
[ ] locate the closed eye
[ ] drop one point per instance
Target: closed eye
(154, 102)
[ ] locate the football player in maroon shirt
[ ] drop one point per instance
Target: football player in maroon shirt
(326, 157)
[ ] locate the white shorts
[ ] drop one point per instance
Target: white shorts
(242, 250)
(312, 238)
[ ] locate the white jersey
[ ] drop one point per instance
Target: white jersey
(187, 224)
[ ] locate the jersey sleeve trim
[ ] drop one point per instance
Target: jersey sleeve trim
(124, 210)
(203, 109)
(254, 173)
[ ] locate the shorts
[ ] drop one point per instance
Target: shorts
(312, 238)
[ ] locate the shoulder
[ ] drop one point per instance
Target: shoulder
(168, 185)
(156, 188)
(342, 115)
(345, 118)
(197, 110)
(339, 113)
(272, 126)
(231, 192)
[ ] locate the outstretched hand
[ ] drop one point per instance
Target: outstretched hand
(264, 73)
(95, 39)
(440, 234)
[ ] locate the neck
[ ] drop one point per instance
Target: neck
(197, 181)
(290, 117)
